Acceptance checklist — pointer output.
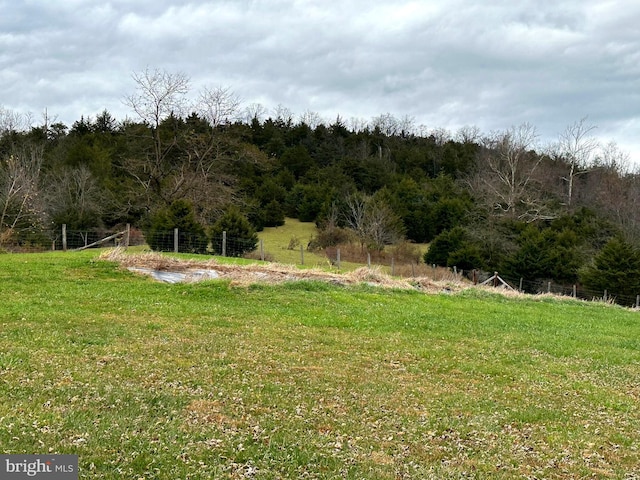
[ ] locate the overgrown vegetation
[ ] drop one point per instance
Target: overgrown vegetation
(310, 380)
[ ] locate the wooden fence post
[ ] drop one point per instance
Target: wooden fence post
(64, 237)
(637, 301)
(338, 258)
(175, 240)
(224, 244)
(127, 236)
(392, 267)
(262, 250)
(575, 292)
(605, 296)
(521, 280)
(368, 260)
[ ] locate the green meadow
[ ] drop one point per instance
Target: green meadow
(144, 380)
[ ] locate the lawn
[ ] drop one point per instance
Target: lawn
(310, 380)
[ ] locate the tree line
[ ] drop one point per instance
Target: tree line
(202, 161)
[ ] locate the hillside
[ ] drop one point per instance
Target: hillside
(495, 201)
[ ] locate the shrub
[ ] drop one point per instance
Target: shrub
(330, 237)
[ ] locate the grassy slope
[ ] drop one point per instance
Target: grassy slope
(278, 243)
(307, 380)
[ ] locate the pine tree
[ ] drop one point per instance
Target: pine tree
(240, 235)
(616, 268)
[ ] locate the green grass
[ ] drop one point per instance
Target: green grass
(282, 245)
(308, 380)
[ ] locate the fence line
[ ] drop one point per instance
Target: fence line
(177, 241)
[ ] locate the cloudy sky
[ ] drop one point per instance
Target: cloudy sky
(446, 63)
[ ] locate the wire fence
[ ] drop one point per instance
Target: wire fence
(403, 265)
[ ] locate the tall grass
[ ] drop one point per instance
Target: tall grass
(310, 380)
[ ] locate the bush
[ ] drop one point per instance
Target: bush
(330, 237)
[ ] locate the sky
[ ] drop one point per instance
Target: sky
(446, 64)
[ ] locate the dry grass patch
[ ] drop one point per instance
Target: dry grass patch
(273, 273)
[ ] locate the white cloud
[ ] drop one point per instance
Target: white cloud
(493, 64)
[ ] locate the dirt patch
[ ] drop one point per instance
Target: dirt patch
(158, 266)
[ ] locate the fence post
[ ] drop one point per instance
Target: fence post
(521, 280)
(605, 296)
(368, 260)
(392, 267)
(127, 236)
(262, 250)
(175, 240)
(549, 287)
(301, 255)
(637, 301)
(575, 291)
(338, 258)
(455, 270)
(224, 244)
(475, 276)
(64, 237)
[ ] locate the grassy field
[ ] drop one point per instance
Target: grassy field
(310, 380)
(282, 244)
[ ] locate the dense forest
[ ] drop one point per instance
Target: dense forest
(499, 201)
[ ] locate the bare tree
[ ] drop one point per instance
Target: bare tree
(75, 197)
(576, 147)
(158, 95)
(507, 175)
(468, 134)
(20, 203)
(219, 105)
(441, 135)
(284, 115)
(11, 121)
(255, 111)
(372, 221)
(355, 215)
(358, 125)
(383, 226)
(611, 157)
(311, 119)
(615, 188)
(407, 126)
(386, 123)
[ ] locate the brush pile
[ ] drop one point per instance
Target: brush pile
(197, 270)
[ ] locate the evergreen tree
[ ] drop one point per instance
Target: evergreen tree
(191, 235)
(240, 235)
(444, 246)
(616, 268)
